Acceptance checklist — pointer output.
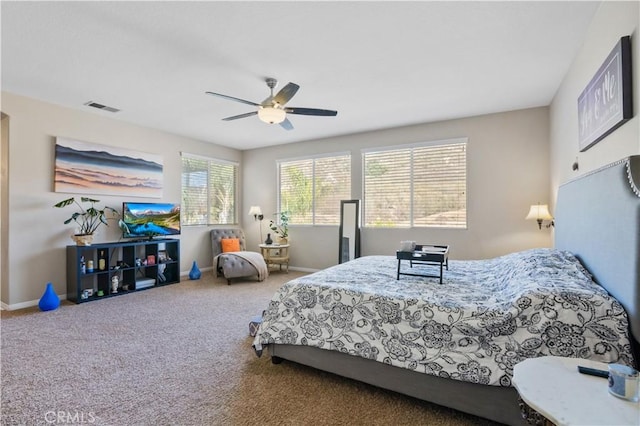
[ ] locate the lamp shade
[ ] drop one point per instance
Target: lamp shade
(539, 212)
(271, 115)
(255, 211)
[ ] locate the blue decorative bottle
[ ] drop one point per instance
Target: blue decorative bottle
(194, 274)
(49, 300)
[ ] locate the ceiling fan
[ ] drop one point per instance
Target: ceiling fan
(273, 110)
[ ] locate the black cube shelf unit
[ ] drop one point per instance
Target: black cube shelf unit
(139, 265)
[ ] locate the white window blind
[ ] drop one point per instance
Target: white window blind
(208, 191)
(311, 189)
(420, 185)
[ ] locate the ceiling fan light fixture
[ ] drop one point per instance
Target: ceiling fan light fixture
(271, 115)
(272, 110)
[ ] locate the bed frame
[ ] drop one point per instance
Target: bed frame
(598, 219)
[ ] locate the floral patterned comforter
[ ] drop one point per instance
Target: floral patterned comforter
(487, 316)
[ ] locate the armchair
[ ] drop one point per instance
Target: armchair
(236, 264)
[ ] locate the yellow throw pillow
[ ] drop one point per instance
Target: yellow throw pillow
(230, 244)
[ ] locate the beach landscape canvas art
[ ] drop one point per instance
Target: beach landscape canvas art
(88, 168)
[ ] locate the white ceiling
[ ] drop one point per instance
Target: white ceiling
(379, 64)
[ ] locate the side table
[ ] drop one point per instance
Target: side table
(553, 387)
(275, 254)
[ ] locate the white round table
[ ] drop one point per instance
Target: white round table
(275, 254)
(553, 387)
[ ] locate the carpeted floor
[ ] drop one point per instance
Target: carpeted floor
(179, 355)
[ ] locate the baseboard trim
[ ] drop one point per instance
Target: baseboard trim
(27, 304)
(31, 303)
(186, 273)
(210, 268)
(297, 268)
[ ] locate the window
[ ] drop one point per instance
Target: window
(311, 189)
(422, 185)
(208, 191)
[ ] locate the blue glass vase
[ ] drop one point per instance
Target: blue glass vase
(49, 300)
(195, 273)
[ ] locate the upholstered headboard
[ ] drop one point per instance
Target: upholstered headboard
(598, 219)
(218, 234)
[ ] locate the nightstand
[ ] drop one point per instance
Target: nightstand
(275, 254)
(553, 390)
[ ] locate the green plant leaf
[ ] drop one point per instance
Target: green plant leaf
(90, 219)
(65, 203)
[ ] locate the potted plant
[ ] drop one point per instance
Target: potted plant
(281, 227)
(88, 219)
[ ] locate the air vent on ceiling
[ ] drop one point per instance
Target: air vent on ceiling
(102, 107)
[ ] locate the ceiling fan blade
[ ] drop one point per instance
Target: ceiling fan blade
(267, 102)
(286, 124)
(232, 98)
(235, 117)
(286, 93)
(311, 111)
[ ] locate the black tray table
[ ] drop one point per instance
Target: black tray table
(425, 254)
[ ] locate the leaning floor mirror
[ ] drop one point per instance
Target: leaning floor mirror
(349, 232)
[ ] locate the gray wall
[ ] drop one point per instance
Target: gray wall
(37, 237)
(4, 205)
(612, 21)
(508, 170)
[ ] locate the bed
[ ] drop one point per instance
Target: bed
(580, 299)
